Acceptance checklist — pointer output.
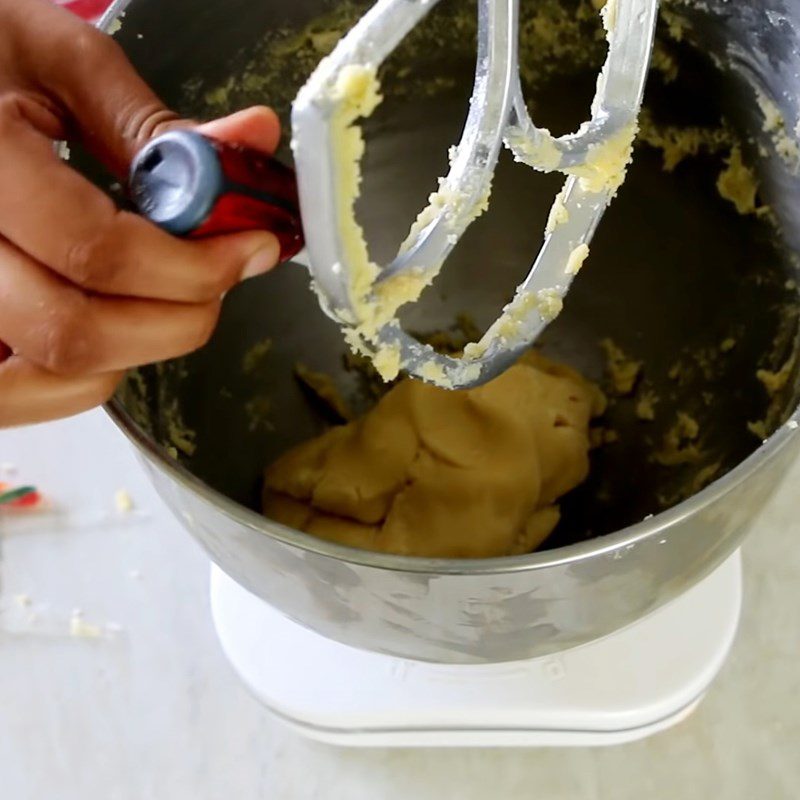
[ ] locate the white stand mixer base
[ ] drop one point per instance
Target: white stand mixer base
(629, 685)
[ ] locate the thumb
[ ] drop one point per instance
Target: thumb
(257, 127)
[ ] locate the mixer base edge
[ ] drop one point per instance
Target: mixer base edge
(627, 686)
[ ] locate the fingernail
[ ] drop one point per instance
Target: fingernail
(263, 260)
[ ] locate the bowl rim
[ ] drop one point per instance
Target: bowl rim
(655, 525)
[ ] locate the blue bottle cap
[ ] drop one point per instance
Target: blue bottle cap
(175, 180)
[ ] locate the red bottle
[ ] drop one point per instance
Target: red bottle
(192, 185)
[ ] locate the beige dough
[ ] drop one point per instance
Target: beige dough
(438, 473)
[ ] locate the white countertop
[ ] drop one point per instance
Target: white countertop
(150, 710)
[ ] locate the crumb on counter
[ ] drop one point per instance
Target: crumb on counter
(123, 501)
(80, 629)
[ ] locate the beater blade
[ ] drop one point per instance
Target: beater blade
(327, 142)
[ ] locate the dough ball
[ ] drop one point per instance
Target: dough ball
(429, 472)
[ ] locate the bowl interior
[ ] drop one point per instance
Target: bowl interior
(703, 296)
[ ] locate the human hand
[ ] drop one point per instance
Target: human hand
(86, 290)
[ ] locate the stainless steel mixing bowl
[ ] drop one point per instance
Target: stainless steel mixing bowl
(674, 271)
